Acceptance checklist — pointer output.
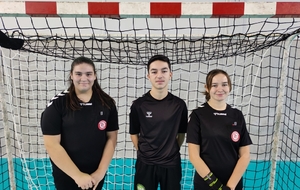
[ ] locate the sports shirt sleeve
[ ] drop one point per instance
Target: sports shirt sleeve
(184, 119)
(193, 129)
(134, 123)
(113, 122)
(51, 118)
(245, 137)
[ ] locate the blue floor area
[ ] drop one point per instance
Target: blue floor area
(120, 175)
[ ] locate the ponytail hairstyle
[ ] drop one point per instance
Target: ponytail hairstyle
(209, 78)
(73, 101)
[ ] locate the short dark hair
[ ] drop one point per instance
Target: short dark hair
(160, 58)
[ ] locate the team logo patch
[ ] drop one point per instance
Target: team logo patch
(140, 187)
(235, 136)
(102, 125)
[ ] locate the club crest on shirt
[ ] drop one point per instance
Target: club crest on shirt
(102, 125)
(235, 136)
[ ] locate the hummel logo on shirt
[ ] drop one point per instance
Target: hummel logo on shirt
(86, 104)
(149, 114)
(50, 103)
(224, 114)
(56, 97)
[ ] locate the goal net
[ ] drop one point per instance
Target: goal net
(261, 55)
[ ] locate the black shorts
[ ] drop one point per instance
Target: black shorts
(149, 176)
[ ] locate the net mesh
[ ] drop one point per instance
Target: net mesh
(260, 55)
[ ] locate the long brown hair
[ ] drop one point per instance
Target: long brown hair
(209, 78)
(73, 101)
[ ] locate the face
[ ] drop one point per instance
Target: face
(219, 89)
(83, 77)
(159, 75)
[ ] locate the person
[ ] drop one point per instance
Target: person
(218, 141)
(158, 123)
(80, 128)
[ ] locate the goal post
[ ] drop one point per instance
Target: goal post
(6, 139)
(279, 111)
(257, 43)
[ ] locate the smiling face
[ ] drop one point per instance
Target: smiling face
(219, 89)
(159, 75)
(83, 77)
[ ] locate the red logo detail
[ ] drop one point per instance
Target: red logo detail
(235, 136)
(102, 125)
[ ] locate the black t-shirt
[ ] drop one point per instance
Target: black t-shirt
(158, 122)
(220, 134)
(83, 132)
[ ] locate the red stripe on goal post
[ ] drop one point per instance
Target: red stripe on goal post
(166, 9)
(228, 9)
(149, 9)
(287, 9)
(40, 8)
(103, 9)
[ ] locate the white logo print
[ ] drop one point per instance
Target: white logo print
(216, 113)
(56, 97)
(49, 104)
(86, 104)
(149, 114)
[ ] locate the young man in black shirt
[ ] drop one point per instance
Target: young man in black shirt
(158, 123)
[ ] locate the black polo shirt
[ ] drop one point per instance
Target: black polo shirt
(158, 122)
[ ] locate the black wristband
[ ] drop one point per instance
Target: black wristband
(214, 182)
